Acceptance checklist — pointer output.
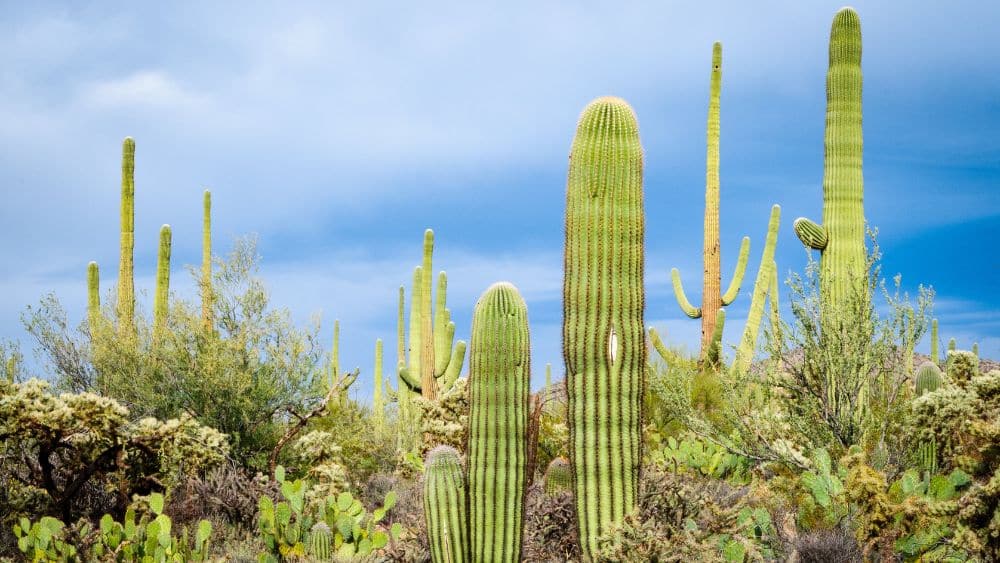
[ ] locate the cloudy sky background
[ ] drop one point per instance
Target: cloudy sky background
(339, 133)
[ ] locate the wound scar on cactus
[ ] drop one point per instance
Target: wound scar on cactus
(612, 345)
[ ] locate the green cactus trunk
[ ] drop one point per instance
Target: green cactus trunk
(378, 408)
(207, 303)
(928, 378)
(402, 389)
(428, 385)
(843, 274)
(334, 369)
(160, 303)
(711, 297)
(93, 298)
(558, 477)
(125, 306)
(499, 392)
(765, 281)
(548, 376)
(445, 506)
(935, 354)
(603, 300)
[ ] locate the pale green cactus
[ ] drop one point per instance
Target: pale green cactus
(207, 302)
(604, 345)
(711, 298)
(93, 297)
(935, 356)
(160, 303)
(378, 407)
(499, 391)
(445, 506)
(558, 477)
(840, 239)
(766, 280)
(928, 378)
(125, 306)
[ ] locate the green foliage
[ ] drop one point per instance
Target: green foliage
(704, 458)
(43, 540)
(822, 503)
(289, 526)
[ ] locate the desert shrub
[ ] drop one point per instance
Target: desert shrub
(445, 420)
(550, 526)
(834, 545)
(365, 448)
(57, 446)
(226, 495)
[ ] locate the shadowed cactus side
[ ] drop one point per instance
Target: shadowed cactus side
(765, 282)
(840, 239)
(445, 506)
(711, 298)
(604, 344)
(499, 392)
(125, 307)
(558, 477)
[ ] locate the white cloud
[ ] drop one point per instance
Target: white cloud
(145, 88)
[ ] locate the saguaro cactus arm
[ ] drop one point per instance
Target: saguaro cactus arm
(444, 329)
(682, 300)
(741, 267)
(765, 277)
(812, 235)
(454, 366)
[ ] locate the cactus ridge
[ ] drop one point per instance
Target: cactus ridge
(162, 283)
(445, 506)
(928, 378)
(604, 345)
(558, 476)
(766, 279)
(207, 301)
(499, 393)
(125, 306)
(93, 297)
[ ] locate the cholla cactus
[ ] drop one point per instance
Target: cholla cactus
(558, 477)
(961, 366)
(445, 420)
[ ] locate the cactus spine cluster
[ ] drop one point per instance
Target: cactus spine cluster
(499, 392)
(766, 280)
(603, 300)
(161, 300)
(207, 302)
(125, 306)
(93, 297)
(840, 238)
(558, 476)
(711, 298)
(445, 506)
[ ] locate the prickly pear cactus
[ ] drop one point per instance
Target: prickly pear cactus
(603, 301)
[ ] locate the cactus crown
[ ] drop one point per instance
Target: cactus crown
(928, 378)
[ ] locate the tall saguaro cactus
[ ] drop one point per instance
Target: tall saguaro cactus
(93, 297)
(764, 283)
(378, 407)
(207, 302)
(840, 238)
(445, 506)
(711, 298)
(125, 306)
(499, 391)
(935, 356)
(603, 299)
(162, 283)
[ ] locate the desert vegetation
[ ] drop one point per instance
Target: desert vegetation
(216, 429)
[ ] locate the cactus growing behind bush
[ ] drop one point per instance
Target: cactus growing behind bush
(711, 298)
(928, 378)
(840, 239)
(603, 300)
(935, 356)
(93, 297)
(761, 287)
(207, 299)
(445, 506)
(558, 476)
(499, 391)
(161, 301)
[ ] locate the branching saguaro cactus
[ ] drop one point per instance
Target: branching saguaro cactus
(433, 365)
(499, 391)
(161, 301)
(445, 506)
(840, 238)
(761, 287)
(125, 307)
(711, 298)
(603, 300)
(207, 302)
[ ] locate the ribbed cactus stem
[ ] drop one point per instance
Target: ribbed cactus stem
(402, 393)
(207, 303)
(125, 306)
(320, 541)
(774, 301)
(93, 297)
(378, 408)
(935, 355)
(454, 366)
(711, 297)
(975, 349)
(499, 391)
(427, 380)
(603, 300)
(335, 355)
(714, 356)
(548, 376)
(162, 283)
(666, 355)
(412, 374)
(444, 329)
(928, 378)
(764, 282)
(558, 477)
(843, 272)
(445, 504)
(951, 345)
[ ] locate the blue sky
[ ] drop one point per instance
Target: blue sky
(338, 133)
